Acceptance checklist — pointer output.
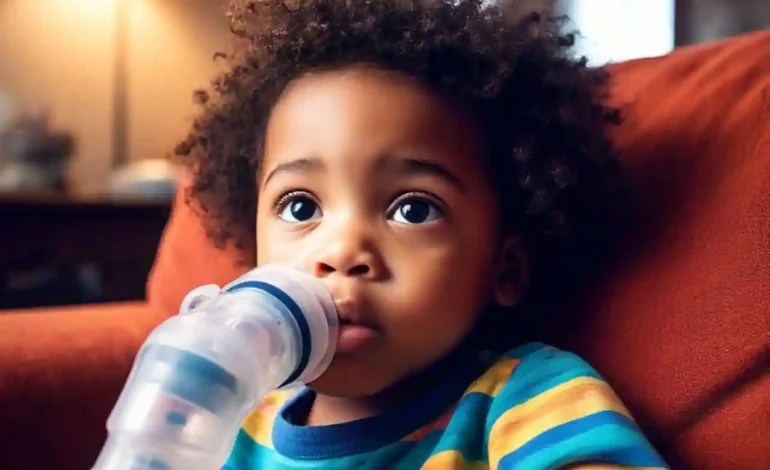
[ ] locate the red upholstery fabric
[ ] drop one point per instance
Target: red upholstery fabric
(61, 370)
(681, 325)
(186, 259)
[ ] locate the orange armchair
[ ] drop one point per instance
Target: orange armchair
(680, 323)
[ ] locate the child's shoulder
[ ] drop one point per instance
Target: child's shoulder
(531, 381)
(535, 380)
(547, 407)
(531, 369)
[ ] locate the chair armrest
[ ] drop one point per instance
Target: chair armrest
(61, 370)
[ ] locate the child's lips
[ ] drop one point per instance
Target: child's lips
(353, 338)
(356, 331)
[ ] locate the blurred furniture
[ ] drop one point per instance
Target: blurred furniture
(58, 250)
(680, 324)
(34, 157)
(699, 21)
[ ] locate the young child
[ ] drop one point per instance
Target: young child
(434, 162)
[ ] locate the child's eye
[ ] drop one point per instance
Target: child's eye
(297, 207)
(413, 210)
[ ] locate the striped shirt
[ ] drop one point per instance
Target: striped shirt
(536, 408)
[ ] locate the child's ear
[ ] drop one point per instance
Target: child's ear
(512, 277)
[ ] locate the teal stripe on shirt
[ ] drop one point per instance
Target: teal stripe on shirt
(465, 432)
(606, 436)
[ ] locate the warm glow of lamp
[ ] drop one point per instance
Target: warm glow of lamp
(88, 10)
(117, 14)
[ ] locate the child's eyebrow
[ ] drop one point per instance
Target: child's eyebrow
(295, 166)
(410, 165)
(400, 165)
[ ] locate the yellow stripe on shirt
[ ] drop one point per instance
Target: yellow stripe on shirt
(451, 459)
(494, 379)
(259, 423)
(575, 399)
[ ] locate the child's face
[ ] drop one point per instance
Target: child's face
(378, 187)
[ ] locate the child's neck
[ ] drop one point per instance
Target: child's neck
(328, 410)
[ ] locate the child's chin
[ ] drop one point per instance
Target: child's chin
(347, 380)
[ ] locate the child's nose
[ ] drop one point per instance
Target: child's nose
(348, 252)
(362, 269)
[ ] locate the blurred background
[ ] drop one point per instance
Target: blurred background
(95, 93)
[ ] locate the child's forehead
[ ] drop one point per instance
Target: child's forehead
(357, 118)
(368, 109)
(361, 86)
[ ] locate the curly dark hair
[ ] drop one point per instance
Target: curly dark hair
(542, 110)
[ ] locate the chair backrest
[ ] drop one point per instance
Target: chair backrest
(681, 324)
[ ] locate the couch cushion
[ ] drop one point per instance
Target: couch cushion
(187, 259)
(681, 324)
(61, 370)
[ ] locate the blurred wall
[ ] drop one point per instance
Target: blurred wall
(618, 30)
(59, 54)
